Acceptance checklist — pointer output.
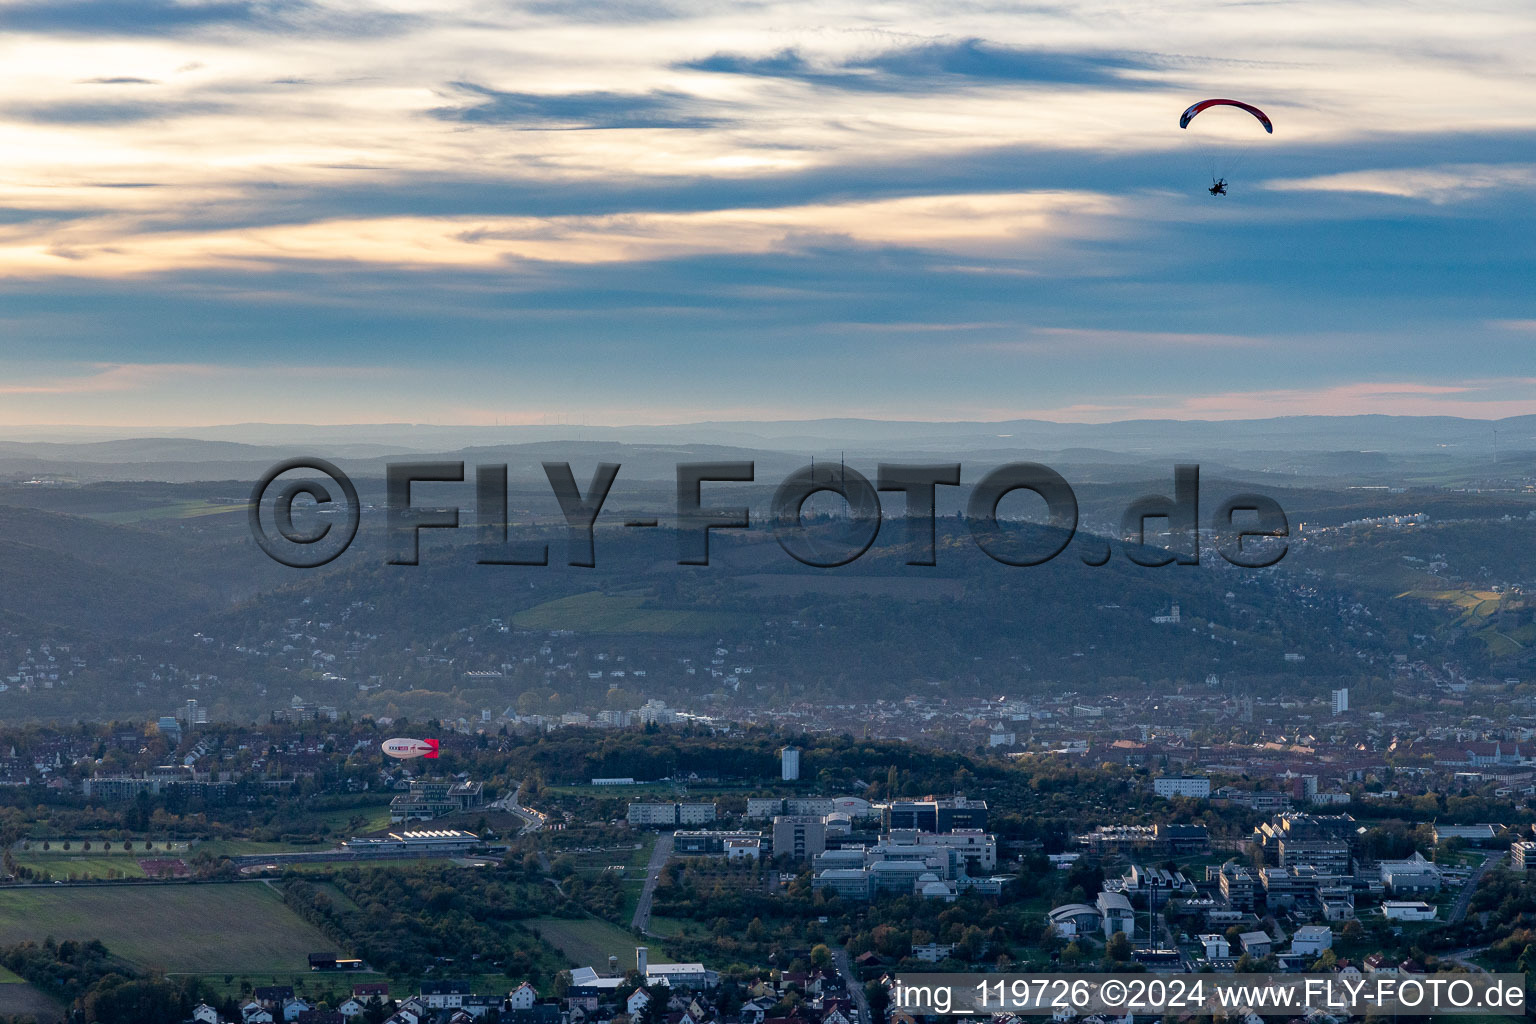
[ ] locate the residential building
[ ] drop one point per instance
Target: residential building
(1256, 944)
(1197, 786)
(933, 952)
(655, 815)
(523, 997)
(772, 806)
(445, 994)
(1312, 939)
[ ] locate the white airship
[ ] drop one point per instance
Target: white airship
(407, 748)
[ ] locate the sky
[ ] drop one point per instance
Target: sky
(661, 211)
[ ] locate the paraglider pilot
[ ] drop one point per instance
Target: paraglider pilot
(1218, 187)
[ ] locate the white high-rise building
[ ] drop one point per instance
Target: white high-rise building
(789, 760)
(1341, 701)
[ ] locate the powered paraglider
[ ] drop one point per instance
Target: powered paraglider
(1224, 139)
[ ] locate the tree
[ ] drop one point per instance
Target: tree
(971, 942)
(1118, 948)
(821, 956)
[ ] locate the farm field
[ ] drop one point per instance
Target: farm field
(596, 612)
(26, 1003)
(190, 509)
(587, 942)
(183, 929)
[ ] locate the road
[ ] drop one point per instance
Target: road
(1464, 958)
(1464, 899)
(660, 854)
(532, 819)
(855, 986)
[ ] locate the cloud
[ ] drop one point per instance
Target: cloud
(1443, 183)
(104, 377)
(1046, 340)
(43, 216)
(135, 17)
(124, 80)
(1474, 399)
(106, 18)
(996, 224)
(619, 12)
(85, 113)
(573, 111)
(940, 65)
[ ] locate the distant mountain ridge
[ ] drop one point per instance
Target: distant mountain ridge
(237, 442)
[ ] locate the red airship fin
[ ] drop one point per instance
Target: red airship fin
(433, 745)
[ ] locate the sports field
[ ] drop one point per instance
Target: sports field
(182, 929)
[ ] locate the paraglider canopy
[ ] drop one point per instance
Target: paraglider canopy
(1223, 138)
(1189, 115)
